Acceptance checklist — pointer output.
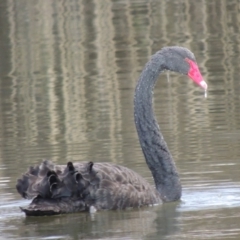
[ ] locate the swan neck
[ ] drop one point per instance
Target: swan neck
(154, 147)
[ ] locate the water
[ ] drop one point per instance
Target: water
(68, 71)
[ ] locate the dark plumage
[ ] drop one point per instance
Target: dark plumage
(101, 185)
(57, 189)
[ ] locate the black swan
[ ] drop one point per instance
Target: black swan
(57, 189)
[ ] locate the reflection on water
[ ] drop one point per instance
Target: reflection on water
(67, 75)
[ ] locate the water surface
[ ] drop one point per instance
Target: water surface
(68, 70)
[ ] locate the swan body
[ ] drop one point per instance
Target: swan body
(57, 189)
(78, 188)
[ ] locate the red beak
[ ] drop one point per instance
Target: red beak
(195, 74)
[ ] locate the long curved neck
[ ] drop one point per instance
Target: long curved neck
(155, 149)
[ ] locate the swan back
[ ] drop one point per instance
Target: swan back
(59, 189)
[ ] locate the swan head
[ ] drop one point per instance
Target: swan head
(182, 60)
